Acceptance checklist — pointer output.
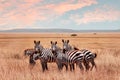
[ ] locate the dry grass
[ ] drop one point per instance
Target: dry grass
(14, 66)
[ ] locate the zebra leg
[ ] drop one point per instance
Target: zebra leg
(31, 63)
(70, 67)
(93, 64)
(81, 67)
(46, 67)
(66, 66)
(59, 66)
(43, 66)
(86, 64)
(73, 66)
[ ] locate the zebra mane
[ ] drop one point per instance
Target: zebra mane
(41, 47)
(75, 48)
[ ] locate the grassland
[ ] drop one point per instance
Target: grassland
(14, 66)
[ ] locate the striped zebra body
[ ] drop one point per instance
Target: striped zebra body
(66, 48)
(70, 57)
(88, 55)
(74, 56)
(89, 58)
(45, 55)
(61, 58)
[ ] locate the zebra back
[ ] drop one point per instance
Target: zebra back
(75, 56)
(88, 54)
(45, 55)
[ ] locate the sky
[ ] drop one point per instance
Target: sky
(65, 14)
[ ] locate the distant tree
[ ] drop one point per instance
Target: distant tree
(73, 34)
(94, 33)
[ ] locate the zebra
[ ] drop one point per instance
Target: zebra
(30, 53)
(88, 55)
(44, 54)
(59, 56)
(67, 47)
(74, 56)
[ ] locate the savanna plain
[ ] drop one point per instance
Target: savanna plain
(15, 66)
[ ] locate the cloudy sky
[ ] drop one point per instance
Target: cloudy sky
(68, 14)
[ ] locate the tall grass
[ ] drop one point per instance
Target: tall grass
(14, 66)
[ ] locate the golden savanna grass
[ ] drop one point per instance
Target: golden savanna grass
(14, 66)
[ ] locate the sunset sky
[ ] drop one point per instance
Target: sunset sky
(68, 14)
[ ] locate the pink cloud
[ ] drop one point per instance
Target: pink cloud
(69, 5)
(26, 18)
(32, 1)
(4, 5)
(98, 15)
(26, 13)
(22, 15)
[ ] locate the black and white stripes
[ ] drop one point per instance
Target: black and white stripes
(61, 58)
(69, 55)
(30, 53)
(89, 58)
(88, 55)
(44, 54)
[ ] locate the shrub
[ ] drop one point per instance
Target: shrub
(16, 56)
(95, 33)
(73, 34)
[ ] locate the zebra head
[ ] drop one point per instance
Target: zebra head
(38, 47)
(53, 46)
(66, 46)
(28, 51)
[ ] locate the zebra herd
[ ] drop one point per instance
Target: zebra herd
(66, 56)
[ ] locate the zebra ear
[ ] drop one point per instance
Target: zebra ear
(51, 42)
(35, 41)
(67, 41)
(38, 42)
(63, 40)
(55, 42)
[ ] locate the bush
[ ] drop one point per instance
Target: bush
(73, 34)
(16, 56)
(95, 33)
